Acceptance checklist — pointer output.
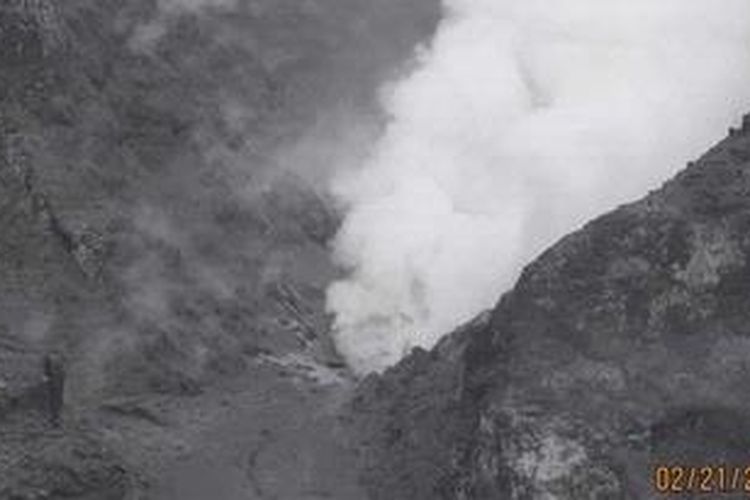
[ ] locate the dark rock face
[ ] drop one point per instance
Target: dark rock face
(623, 347)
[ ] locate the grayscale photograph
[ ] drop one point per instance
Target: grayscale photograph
(374, 249)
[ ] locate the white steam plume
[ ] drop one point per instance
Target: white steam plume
(523, 119)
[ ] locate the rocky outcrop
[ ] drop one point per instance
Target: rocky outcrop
(622, 347)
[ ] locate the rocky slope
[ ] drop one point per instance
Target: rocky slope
(150, 186)
(624, 346)
(162, 222)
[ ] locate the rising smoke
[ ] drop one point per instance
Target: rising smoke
(522, 120)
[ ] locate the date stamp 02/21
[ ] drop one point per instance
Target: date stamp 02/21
(696, 479)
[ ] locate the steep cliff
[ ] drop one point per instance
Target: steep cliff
(622, 347)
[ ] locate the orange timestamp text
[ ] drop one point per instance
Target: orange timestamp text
(696, 479)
